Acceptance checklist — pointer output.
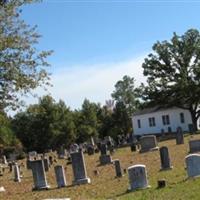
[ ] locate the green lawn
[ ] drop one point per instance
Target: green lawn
(106, 186)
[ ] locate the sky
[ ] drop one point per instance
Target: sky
(97, 42)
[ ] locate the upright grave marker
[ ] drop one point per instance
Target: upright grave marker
(60, 176)
(194, 146)
(39, 176)
(165, 159)
(104, 158)
(118, 169)
(179, 136)
(193, 165)
(148, 143)
(16, 173)
(79, 169)
(137, 177)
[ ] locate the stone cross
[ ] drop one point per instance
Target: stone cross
(194, 146)
(79, 169)
(16, 173)
(148, 143)
(137, 177)
(179, 136)
(39, 176)
(118, 169)
(193, 165)
(60, 176)
(165, 159)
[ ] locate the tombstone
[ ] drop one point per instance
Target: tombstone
(39, 176)
(79, 169)
(137, 177)
(32, 154)
(194, 146)
(165, 159)
(179, 136)
(46, 164)
(133, 147)
(60, 176)
(118, 169)
(193, 165)
(16, 173)
(162, 183)
(62, 153)
(104, 158)
(90, 150)
(4, 160)
(148, 143)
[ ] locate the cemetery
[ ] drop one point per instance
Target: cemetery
(129, 174)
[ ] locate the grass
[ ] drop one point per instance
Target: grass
(106, 186)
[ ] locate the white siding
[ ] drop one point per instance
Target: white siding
(174, 116)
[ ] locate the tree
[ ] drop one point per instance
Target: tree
(45, 125)
(86, 121)
(22, 66)
(173, 73)
(126, 93)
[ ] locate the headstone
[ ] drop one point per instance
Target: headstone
(79, 169)
(194, 146)
(179, 136)
(4, 160)
(193, 165)
(137, 177)
(39, 176)
(148, 143)
(133, 147)
(32, 154)
(16, 173)
(104, 158)
(191, 128)
(60, 176)
(118, 169)
(62, 153)
(165, 159)
(90, 149)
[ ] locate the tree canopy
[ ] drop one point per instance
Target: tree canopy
(22, 65)
(173, 73)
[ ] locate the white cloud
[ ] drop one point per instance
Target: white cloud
(94, 82)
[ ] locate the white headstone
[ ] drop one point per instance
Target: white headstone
(16, 173)
(138, 177)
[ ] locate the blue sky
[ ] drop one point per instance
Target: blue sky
(97, 42)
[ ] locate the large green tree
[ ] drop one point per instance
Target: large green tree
(126, 94)
(22, 65)
(45, 125)
(173, 73)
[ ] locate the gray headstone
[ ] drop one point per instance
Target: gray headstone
(194, 146)
(118, 169)
(32, 154)
(179, 136)
(39, 176)
(90, 149)
(137, 177)
(60, 176)
(79, 169)
(103, 149)
(16, 173)
(148, 143)
(193, 165)
(165, 159)
(105, 159)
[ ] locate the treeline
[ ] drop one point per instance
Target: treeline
(50, 124)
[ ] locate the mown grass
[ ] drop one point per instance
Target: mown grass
(106, 186)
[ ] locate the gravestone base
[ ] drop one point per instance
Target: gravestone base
(167, 168)
(81, 181)
(146, 150)
(105, 159)
(41, 188)
(136, 189)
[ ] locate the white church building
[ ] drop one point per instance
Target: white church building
(159, 120)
